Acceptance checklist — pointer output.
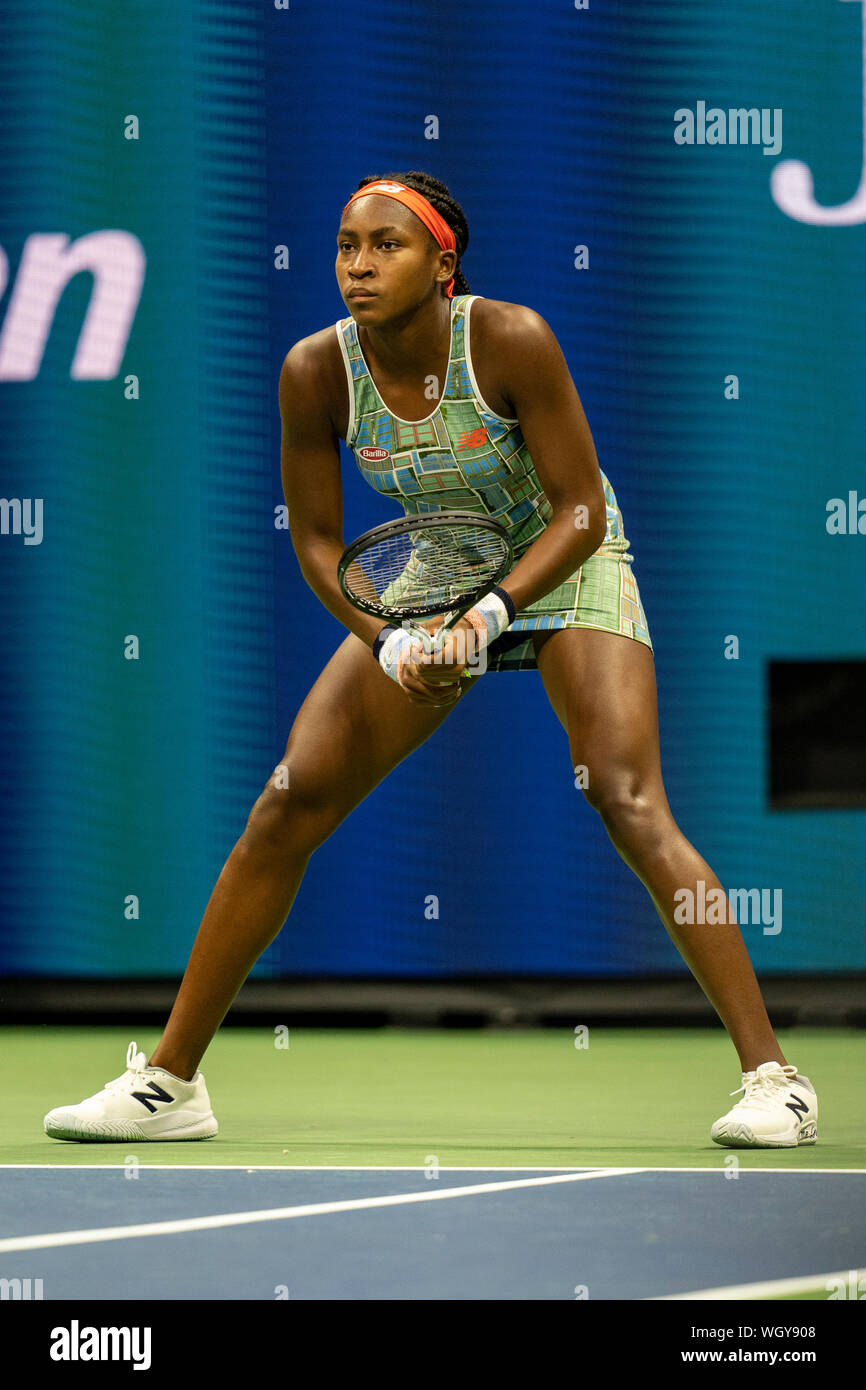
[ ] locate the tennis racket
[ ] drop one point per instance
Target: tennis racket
(420, 566)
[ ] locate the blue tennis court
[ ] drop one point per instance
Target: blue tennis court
(145, 1232)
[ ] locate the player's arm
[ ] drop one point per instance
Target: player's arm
(534, 377)
(312, 486)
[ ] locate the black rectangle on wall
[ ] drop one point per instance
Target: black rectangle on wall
(817, 734)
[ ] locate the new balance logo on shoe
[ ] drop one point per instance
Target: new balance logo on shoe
(798, 1106)
(157, 1093)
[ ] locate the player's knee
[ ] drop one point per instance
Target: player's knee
(628, 810)
(292, 813)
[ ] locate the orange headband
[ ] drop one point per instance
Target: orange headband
(422, 207)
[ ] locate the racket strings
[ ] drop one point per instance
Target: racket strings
(426, 567)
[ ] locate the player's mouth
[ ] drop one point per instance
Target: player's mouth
(360, 294)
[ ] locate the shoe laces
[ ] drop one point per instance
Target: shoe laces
(136, 1062)
(761, 1088)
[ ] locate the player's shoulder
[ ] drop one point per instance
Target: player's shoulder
(315, 350)
(515, 337)
(313, 366)
(503, 322)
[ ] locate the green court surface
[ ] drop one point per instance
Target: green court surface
(405, 1097)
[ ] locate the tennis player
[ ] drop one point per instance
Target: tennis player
(450, 400)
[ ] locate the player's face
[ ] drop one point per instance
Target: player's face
(385, 259)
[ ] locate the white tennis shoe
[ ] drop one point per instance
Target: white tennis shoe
(146, 1103)
(779, 1110)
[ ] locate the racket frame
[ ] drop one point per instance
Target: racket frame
(404, 613)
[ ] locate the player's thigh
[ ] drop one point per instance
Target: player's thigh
(602, 687)
(354, 727)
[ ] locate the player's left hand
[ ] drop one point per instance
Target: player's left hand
(449, 663)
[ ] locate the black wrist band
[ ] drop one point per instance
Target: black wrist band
(381, 638)
(507, 600)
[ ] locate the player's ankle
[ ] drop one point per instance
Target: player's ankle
(180, 1073)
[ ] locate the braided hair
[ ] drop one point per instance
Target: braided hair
(447, 207)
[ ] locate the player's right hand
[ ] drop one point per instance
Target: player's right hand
(425, 685)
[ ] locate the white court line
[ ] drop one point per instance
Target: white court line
(243, 1218)
(343, 1167)
(417, 1167)
(802, 1284)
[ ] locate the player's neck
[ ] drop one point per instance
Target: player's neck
(410, 344)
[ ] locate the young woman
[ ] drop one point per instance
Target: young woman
(474, 405)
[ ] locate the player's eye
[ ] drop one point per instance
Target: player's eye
(347, 245)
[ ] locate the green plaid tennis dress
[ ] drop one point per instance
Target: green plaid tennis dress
(465, 456)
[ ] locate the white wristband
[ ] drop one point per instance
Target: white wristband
(394, 652)
(490, 618)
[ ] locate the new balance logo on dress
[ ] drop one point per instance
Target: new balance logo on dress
(472, 439)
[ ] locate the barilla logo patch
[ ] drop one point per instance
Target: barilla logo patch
(374, 454)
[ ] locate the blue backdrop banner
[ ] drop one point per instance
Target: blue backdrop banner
(680, 191)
